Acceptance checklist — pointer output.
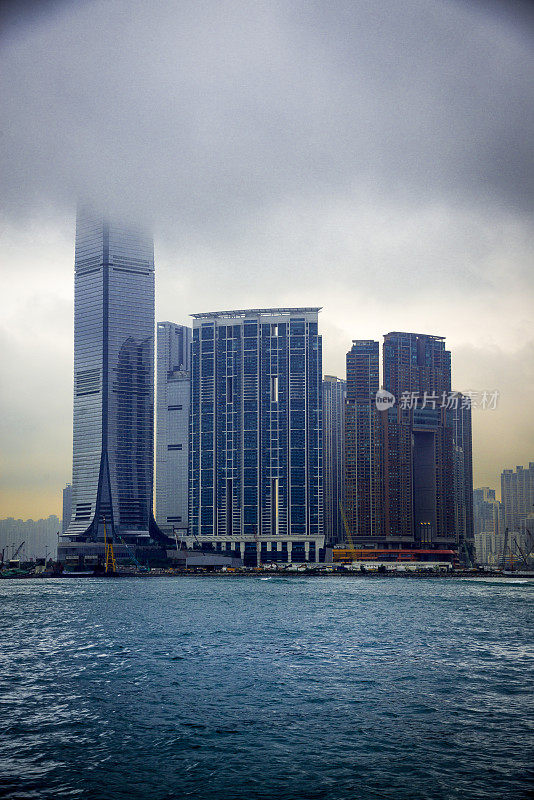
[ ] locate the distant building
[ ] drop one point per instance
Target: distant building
(173, 379)
(517, 496)
(113, 450)
(487, 511)
(488, 525)
(256, 434)
(67, 507)
(37, 539)
(333, 457)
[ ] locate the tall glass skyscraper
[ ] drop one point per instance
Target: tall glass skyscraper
(113, 447)
(256, 433)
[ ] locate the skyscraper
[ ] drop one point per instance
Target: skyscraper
(408, 467)
(256, 433)
(419, 471)
(113, 385)
(333, 457)
(363, 442)
(173, 379)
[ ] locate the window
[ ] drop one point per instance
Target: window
(87, 382)
(174, 408)
(274, 388)
(174, 447)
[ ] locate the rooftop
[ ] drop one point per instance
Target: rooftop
(254, 312)
(408, 333)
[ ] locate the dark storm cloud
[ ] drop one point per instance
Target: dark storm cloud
(198, 112)
(374, 158)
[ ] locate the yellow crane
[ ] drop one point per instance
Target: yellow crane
(110, 565)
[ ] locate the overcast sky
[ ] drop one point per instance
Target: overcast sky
(373, 158)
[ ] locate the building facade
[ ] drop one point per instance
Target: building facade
(256, 434)
(334, 390)
(173, 381)
(113, 454)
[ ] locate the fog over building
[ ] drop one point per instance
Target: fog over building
(112, 477)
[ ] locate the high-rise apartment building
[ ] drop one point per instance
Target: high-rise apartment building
(408, 462)
(334, 390)
(364, 499)
(113, 453)
(173, 381)
(256, 434)
(417, 371)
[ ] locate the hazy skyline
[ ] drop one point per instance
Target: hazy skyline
(375, 160)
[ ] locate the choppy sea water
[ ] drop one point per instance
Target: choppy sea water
(299, 687)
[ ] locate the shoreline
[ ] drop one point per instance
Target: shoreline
(270, 574)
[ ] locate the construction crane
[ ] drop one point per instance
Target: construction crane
(139, 566)
(110, 565)
(13, 559)
(526, 556)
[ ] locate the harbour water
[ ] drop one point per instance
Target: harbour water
(290, 688)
